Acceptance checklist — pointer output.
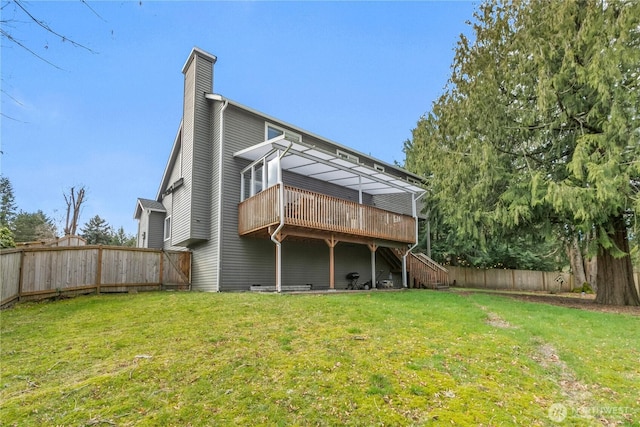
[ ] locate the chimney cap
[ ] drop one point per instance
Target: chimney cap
(196, 51)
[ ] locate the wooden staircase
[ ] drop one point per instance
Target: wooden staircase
(426, 273)
(393, 257)
(423, 272)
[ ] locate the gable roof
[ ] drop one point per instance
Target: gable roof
(148, 204)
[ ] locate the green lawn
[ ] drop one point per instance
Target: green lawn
(379, 358)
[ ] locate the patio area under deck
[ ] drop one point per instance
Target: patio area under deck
(270, 209)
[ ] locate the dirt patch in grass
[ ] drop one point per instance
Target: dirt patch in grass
(494, 320)
(497, 321)
(579, 396)
(577, 393)
(582, 302)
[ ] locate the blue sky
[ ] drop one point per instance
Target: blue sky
(358, 73)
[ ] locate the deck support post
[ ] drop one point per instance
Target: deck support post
(373, 247)
(332, 242)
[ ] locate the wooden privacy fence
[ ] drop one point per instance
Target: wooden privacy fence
(517, 280)
(35, 273)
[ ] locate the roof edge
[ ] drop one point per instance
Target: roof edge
(140, 207)
(218, 97)
(175, 148)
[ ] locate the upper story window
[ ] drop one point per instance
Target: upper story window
(259, 176)
(273, 131)
(347, 156)
(167, 228)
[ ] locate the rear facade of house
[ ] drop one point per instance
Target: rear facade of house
(259, 201)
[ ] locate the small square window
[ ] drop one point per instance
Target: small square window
(167, 228)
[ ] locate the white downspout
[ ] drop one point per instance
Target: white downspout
(281, 225)
(277, 243)
(404, 257)
(218, 273)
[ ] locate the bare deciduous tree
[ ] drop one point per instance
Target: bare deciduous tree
(74, 202)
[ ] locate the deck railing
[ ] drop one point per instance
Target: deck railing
(317, 211)
(259, 211)
(425, 272)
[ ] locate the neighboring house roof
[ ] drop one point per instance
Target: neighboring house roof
(61, 241)
(148, 204)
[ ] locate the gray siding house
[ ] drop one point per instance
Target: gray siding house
(263, 203)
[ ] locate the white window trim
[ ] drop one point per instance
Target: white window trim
(347, 156)
(167, 236)
(290, 135)
(378, 167)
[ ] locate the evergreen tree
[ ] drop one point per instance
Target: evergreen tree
(30, 227)
(120, 238)
(97, 231)
(7, 203)
(538, 130)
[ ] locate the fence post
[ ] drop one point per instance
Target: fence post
(99, 270)
(20, 276)
(161, 278)
(571, 282)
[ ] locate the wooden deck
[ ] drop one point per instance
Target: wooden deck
(315, 215)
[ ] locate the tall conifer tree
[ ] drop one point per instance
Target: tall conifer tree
(539, 128)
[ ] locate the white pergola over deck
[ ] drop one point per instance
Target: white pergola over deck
(270, 158)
